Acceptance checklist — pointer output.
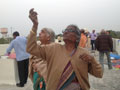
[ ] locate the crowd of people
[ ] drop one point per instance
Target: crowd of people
(54, 66)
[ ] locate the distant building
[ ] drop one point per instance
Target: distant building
(4, 32)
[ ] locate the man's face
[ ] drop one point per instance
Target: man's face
(93, 31)
(69, 35)
(14, 36)
(44, 36)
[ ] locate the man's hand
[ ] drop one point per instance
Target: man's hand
(33, 17)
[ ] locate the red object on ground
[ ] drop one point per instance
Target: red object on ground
(117, 66)
(12, 56)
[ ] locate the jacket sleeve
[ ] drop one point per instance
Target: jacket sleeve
(111, 43)
(96, 43)
(11, 46)
(37, 50)
(95, 68)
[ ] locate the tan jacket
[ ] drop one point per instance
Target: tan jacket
(57, 58)
(42, 67)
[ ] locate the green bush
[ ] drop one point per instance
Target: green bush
(5, 40)
(115, 34)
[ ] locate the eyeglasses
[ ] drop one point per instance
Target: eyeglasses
(77, 32)
(69, 30)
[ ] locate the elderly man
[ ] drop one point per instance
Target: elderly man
(37, 66)
(68, 65)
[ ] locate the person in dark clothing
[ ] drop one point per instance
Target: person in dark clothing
(104, 44)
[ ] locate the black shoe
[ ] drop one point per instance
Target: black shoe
(19, 85)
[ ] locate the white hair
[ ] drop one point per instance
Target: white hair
(51, 33)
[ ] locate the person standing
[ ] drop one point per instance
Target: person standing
(68, 65)
(22, 57)
(38, 66)
(83, 39)
(104, 44)
(93, 37)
